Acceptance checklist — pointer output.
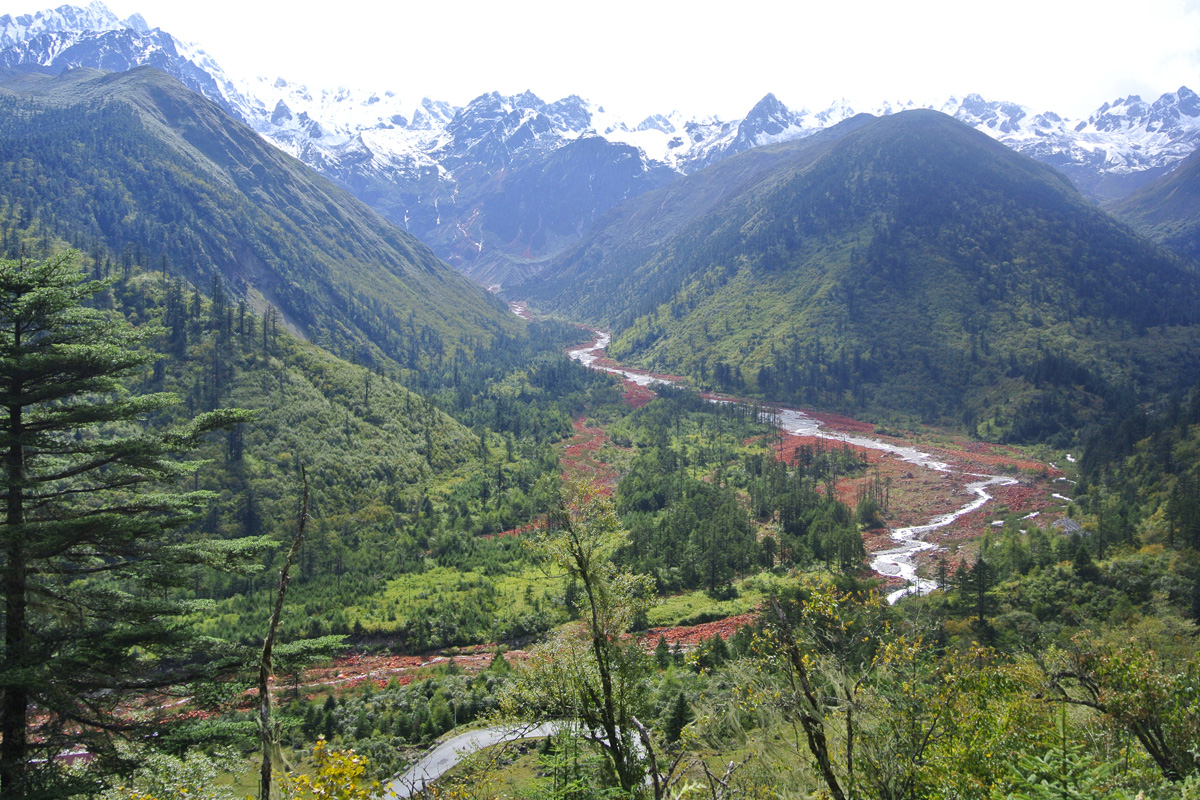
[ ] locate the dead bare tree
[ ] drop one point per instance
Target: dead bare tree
(270, 740)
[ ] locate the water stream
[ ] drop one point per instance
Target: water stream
(898, 561)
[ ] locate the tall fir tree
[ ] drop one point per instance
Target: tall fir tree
(90, 547)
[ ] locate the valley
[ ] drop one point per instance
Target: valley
(928, 475)
(801, 454)
(956, 471)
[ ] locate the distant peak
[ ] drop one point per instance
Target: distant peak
(138, 23)
(281, 113)
(1189, 102)
(528, 99)
(656, 122)
(769, 105)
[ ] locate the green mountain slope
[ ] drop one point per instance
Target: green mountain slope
(400, 484)
(906, 264)
(1168, 209)
(154, 172)
(631, 245)
(401, 491)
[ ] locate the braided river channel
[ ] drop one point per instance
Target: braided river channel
(895, 562)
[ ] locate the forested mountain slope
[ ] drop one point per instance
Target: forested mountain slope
(154, 172)
(907, 264)
(399, 482)
(1168, 210)
(628, 238)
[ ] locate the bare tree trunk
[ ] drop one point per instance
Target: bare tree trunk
(269, 745)
(809, 707)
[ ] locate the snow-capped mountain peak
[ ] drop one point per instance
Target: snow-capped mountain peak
(656, 122)
(836, 112)
(93, 17)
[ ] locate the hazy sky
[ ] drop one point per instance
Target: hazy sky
(640, 56)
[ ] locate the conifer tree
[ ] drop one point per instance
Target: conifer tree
(89, 542)
(677, 719)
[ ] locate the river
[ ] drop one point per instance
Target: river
(895, 562)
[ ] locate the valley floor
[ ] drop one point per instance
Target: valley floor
(915, 495)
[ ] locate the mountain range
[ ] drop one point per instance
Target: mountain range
(913, 261)
(903, 262)
(502, 184)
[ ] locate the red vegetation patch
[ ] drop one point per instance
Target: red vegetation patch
(917, 495)
(636, 395)
(878, 539)
(1000, 458)
(1024, 498)
(836, 422)
(351, 671)
(790, 447)
(688, 636)
(579, 458)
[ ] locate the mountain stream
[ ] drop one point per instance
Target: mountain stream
(899, 561)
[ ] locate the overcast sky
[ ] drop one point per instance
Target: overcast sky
(642, 56)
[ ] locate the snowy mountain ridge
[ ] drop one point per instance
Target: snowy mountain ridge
(1125, 136)
(94, 17)
(445, 172)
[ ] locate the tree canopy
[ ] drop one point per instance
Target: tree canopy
(89, 548)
